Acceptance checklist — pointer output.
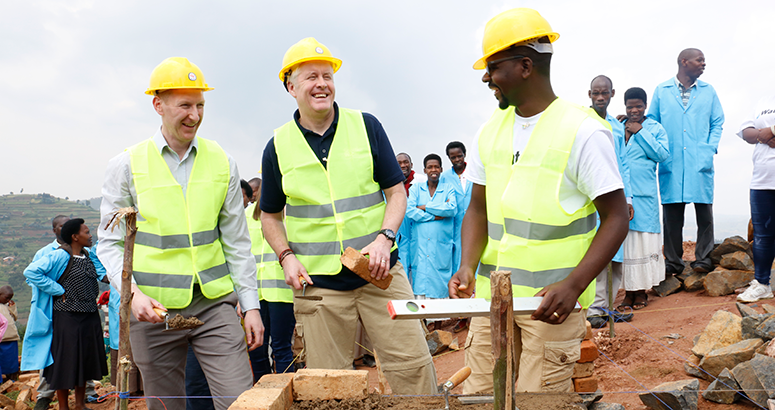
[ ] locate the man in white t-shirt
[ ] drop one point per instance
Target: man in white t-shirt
(547, 165)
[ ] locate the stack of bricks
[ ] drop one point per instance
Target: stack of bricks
(584, 379)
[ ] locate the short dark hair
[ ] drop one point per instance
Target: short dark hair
(635, 93)
(71, 228)
(246, 187)
(541, 61)
(405, 154)
(57, 219)
(430, 157)
(456, 144)
(604, 77)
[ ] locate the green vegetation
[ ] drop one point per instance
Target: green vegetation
(25, 227)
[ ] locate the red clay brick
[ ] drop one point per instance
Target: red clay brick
(589, 352)
(585, 384)
(359, 264)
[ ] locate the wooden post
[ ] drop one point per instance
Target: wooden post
(611, 295)
(125, 309)
(502, 328)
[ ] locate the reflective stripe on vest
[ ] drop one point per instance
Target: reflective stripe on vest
(271, 279)
(329, 208)
(177, 240)
(529, 233)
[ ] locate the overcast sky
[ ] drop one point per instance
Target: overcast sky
(73, 73)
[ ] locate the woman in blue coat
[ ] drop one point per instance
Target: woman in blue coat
(646, 145)
(64, 334)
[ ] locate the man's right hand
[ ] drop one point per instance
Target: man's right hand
(142, 306)
(293, 269)
(461, 286)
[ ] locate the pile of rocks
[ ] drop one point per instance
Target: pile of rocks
(736, 353)
(733, 262)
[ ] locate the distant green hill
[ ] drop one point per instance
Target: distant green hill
(25, 227)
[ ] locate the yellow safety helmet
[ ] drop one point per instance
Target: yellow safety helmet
(174, 73)
(511, 27)
(305, 50)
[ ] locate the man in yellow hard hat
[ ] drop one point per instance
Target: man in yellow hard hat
(192, 249)
(547, 165)
(334, 173)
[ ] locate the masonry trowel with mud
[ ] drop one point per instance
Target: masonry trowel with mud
(178, 322)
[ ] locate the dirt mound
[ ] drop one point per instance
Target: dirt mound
(524, 401)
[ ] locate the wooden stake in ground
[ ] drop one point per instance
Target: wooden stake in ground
(383, 383)
(125, 309)
(502, 328)
(611, 291)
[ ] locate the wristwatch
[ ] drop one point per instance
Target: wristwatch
(389, 234)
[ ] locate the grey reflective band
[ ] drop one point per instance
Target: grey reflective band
(537, 231)
(521, 277)
(205, 237)
(214, 273)
(163, 280)
(331, 248)
(268, 257)
(342, 205)
(494, 230)
(162, 242)
(273, 284)
(176, 241)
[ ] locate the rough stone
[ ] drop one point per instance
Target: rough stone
(694, 281)
(668, 286)
(606, 406)
(5, 386)
(682, 394)
(771, 404)
(691, 366)
(271, 392)
(737, 261)
(438, 340)
(730, 245)
(7, 402)
(722, 389)
(746, 310)
(770, 351)
(756, 378)
(588, 335)
(722, 330)
(729, 357)
(749, 324)
(589, 352)
(322, 384)
(766, 330)
(583, 370)
(585, 384)
(768, 308)
(21, 400)
(685, 273)
(589, 398)
(722, 282)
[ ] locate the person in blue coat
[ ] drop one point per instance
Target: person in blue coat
(404, 234)
(601, 90)
(691, 113)
(455, 176)
(647, 145)
(432, 207)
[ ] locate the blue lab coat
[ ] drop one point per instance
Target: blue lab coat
(617, 129)
(693, 133)
(463, 198)
(42, 276)
(644, 150)
(433, 242)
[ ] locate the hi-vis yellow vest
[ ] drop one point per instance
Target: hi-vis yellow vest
(177, 237)
(271, 279)
(529, 233)
(329, 209)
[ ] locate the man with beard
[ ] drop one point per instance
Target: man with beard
(691, 113)
(333, 172)
(548, 166)
(601, 90)
(404, 234)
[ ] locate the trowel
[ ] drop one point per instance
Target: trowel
(453, 381)
(178, 322)
(304, 291)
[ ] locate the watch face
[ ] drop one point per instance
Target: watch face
(389, 233)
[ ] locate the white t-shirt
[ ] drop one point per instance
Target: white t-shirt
(763, 156)
(592, 169)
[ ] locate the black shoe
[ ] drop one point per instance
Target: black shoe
(42, 403)
(597, 322)
(93, 398)
(701, 267)
(368, 360)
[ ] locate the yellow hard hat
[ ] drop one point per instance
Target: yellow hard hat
(174, 73)
(511, 27)
(305, 50)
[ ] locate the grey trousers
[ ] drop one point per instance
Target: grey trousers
(601, 289)
(673, 223)
(219, 345)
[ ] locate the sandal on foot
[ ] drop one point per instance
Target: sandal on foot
(641, 301)
(626, 303)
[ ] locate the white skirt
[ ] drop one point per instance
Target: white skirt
(644, 266)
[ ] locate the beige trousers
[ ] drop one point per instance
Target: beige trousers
(328, 328)
(545, 354)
